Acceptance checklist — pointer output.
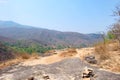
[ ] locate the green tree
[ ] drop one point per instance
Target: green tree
(110, 35)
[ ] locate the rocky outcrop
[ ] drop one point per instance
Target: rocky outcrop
(68, 69)
(91, 59)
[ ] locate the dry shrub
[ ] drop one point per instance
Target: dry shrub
(28, 56)
(25, 56)
(116, 68)
(115, 47)
(102, 51)
(10, 63)
(108, 56)
(69, 52)
(50, 52)
(72, 50)
(19, 57)
(111, 64)
(34, 55)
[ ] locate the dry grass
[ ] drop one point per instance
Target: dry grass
(68, 53)
(102, 52)
(10, 62)
(50, 52)
(117, 68)
(111, 64)
(19, 58)
(34, 55)
(25, 56)
(108, 56)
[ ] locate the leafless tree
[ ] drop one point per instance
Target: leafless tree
(103, 37)
(115, 28)
(116, 12)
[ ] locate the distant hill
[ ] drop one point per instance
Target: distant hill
(11, 24)
(46, 37)
(5, 39)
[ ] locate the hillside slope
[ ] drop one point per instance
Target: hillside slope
(5, 53)
(46, 37)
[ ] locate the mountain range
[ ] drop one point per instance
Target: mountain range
(11, 31)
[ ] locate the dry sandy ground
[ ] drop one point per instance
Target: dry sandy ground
(80, 53)
(56, 57)
(42, 60)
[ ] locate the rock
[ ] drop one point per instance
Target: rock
(46, 77)
(31, 78)
(67, 69)
(91, 59)
(88, 72)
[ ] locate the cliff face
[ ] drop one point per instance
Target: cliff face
(67, 69)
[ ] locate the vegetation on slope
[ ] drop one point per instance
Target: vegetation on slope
(46, 37)
(6, 53)
(108, 51)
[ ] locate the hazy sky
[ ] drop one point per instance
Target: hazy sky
(84, 16)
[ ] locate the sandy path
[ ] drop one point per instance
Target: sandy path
(56, 57)
(43, 60)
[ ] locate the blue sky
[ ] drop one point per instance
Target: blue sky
(84, 16)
